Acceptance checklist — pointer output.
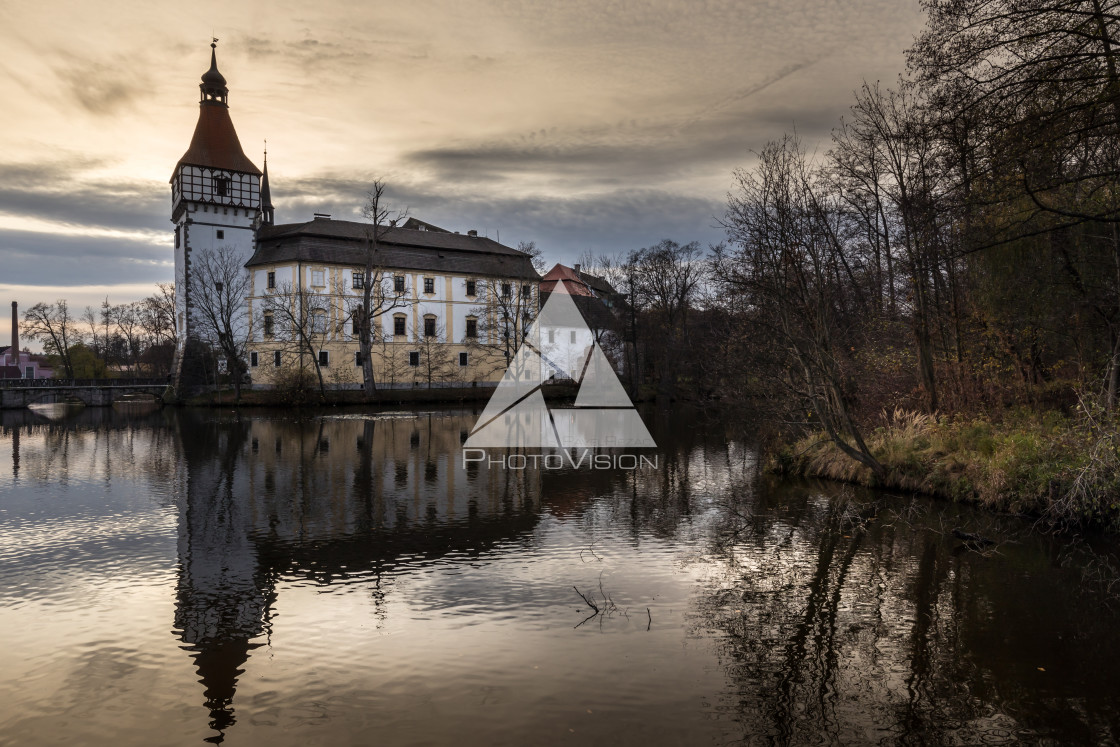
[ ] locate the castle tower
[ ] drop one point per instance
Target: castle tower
(215, 198)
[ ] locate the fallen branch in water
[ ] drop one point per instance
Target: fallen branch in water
(589, 602)
(607, 609)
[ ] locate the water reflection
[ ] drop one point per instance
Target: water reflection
(332, 574)
(855, 618)
(332, 499)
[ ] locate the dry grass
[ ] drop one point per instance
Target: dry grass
(1066, 469)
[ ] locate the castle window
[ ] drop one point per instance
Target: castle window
(221, 186)
(462, 359)
(472, 328)
(414, 358)
(355, 327)
(177, 229)
(253, 359)
(221, 234)
(268, 324)
(357, 279)
(318, 323)
(398, 283)
(471, 288)
(429, 326)
(526, 291)
(507, 290)
(399, 325)
(324, 358)
(276, 362)
(271, 280)
(429, 285)
(358, 358)
(318, 278)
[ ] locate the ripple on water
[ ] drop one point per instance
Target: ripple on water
(282, 579)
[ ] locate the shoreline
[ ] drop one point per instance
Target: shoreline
(1059, 468)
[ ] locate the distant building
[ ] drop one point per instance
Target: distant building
(219, 198)
(598, 303)
(579, 283)
(18, 364)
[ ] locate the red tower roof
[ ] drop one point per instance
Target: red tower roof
(215, 144)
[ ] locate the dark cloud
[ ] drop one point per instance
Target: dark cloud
(105, 87)
(564, 227)
(712, 137)
(31, 258)
(58, 191)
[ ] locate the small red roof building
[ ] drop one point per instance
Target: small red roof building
(570, 277)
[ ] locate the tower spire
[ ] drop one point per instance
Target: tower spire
(213, 86)
(267, 210)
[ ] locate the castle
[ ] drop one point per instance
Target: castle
(449, 302)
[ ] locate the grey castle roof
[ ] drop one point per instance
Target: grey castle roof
(343, 242)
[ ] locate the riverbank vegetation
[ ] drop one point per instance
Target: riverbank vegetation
(1046, 464)
(953, 254)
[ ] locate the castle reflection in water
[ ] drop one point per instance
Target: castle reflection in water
(320, 498)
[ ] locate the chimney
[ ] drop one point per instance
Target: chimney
(15, 334)
(577, 269)
(472, 232)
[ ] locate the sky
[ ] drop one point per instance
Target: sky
(584, 126)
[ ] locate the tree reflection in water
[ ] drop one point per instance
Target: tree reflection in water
(846, 619)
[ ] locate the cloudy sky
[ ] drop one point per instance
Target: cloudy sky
(580, 125)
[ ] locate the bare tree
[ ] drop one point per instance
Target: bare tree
(299, 320)
(219, 285)
(788, 266)
(157, 317)
(536, 254)
(435, 355)
(89, 319)
(380, 293)
(505, 311)
(129, 323)
(666, 279)
(52, 326)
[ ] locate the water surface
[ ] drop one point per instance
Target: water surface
(340, 577)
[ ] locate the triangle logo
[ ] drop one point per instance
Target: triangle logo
(559, 343)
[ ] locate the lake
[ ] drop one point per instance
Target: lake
(340, 576)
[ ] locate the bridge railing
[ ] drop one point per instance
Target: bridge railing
(74, 383)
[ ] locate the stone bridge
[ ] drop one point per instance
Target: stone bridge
(16, 393)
